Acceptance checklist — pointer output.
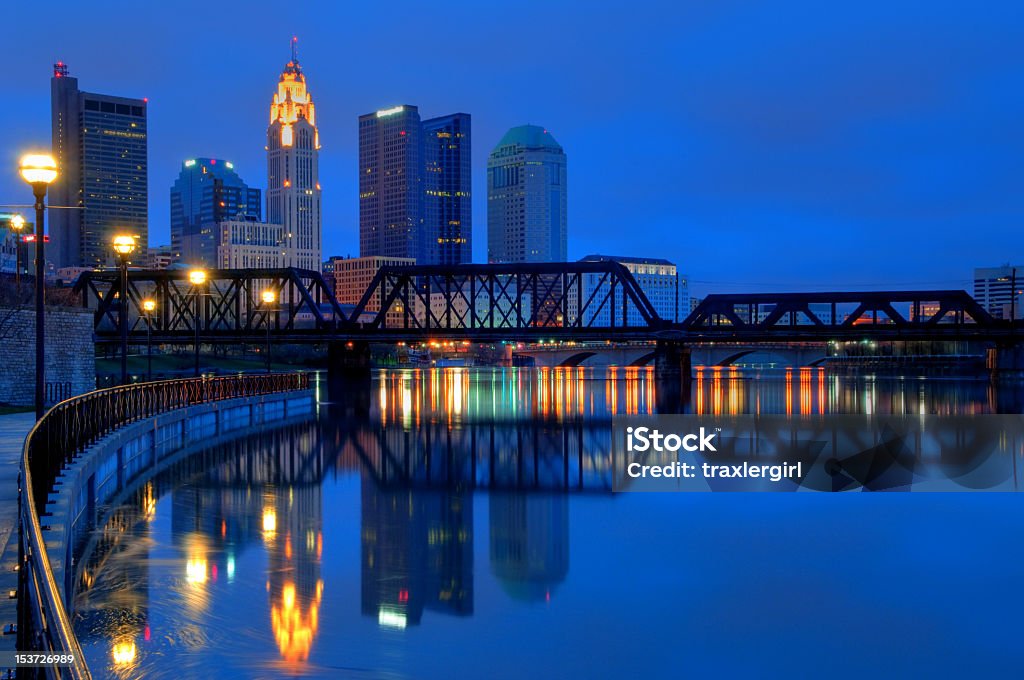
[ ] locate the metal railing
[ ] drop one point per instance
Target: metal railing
(65, 431)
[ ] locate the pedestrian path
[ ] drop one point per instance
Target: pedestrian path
(13, 429)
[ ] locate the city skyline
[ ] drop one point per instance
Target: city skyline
(872, 146)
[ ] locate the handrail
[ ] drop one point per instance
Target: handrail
(62, 433)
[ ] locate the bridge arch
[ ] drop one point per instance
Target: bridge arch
(576, 359)
(642, 360)
(733, 357)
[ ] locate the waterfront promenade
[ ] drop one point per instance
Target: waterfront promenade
(13, 429)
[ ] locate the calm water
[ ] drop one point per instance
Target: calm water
(459, 523)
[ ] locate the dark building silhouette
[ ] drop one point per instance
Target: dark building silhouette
(100, 143)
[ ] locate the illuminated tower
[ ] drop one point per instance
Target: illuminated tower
(293, 187)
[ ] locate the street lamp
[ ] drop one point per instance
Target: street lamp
(39, 170)
(124, 246)
(269, 297)
(197, 277)
(148, 306)
(17, 224)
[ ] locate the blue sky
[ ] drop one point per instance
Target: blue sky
(763, 146)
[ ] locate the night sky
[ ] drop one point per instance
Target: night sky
(760, 145)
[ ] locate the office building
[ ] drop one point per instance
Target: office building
(660, 280)
(998, 290)
(391, 185)
(526, 198)
(293, 185)
(353, 276)
(415, 186)
(100, 144)
(249, 244)
(160, 257)
(448, 213)
(207, 192)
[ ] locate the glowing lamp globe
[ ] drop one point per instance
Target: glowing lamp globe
(38, 168)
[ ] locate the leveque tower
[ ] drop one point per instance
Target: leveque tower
(293, 186)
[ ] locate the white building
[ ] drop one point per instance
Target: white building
(995, 287)
(664, 286)
(250, 244)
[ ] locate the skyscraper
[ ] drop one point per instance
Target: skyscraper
(414, 186)
(391, 184)
(293, 187)
(526, 198)
(100, 143)
(448, 214)
(207, 192)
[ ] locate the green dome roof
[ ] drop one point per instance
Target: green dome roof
(529, 136)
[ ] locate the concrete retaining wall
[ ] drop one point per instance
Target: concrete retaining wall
(70, 355)
(137, 452)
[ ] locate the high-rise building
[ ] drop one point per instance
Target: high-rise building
(391, 184)
(207, 192)
(994, 289)
(447, 210)
(526, 198)
(100, 143)
(293, 186)
(415, 186)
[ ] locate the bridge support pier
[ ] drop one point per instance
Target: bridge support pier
(348, 380)
(673, 375)
(348, 359)
(1006, 362)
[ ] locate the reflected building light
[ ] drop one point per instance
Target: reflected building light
(124, 653)
(269, 522)
(231, 568)
(148, 502)
(406, 404)
(294, 630)
(195, 570)
(391, 618)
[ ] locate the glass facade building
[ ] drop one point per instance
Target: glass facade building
(414, 186)
(526, 198)
(448, 213)
(208, 191)
(100, 143)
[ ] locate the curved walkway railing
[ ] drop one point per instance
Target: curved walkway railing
(64, 432)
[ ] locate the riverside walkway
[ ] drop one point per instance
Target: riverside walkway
(13, 430)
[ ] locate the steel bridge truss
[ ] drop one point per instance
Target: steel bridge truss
(527, 301)
(227, 307)
(557, 298)
(524, 301)
(933, 314)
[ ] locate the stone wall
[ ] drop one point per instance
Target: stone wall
(70, 354)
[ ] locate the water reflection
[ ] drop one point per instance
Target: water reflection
(221, 560)
(417, 553)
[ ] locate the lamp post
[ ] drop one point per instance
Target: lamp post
(124, 246)
(148, 306)
(197, 277)
(269, 297)
(17, 224)
(39, 171)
